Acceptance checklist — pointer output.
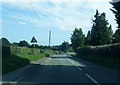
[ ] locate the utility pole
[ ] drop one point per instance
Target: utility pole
(49, 38)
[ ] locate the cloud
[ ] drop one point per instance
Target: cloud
(62, 15)
(21, 22)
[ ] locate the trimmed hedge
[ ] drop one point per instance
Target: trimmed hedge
(24, 50)
(104, 50)
(13, 50)
(6, 51)
(106, 55)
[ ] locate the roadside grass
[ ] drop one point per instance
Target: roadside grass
(32, 57)
(111, 62)
(13, 62)
(49, 52)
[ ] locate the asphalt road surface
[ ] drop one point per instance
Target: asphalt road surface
(62, 69)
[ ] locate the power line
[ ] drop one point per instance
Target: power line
(34, 10)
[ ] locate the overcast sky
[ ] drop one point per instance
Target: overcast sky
(23, 20)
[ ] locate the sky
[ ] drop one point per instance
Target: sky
(23, 20)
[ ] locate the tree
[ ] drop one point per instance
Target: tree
(5, 42)
(15, 44)
(88, 38)
(64, 47)
(100, 32)
(77, 39)
(116, 11)
(23, 43)
(110, 34)
(116, 36)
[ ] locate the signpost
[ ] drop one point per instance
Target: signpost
(33, 41)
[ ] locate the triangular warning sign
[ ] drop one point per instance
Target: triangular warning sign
(33, 40)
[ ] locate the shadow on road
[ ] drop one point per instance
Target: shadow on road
(65, 73)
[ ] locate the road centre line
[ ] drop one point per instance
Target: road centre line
(92, 79)
(85, 74)
(74, 64)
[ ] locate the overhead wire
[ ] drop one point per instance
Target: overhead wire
(34, 10)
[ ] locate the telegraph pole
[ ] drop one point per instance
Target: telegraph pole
(49, 38)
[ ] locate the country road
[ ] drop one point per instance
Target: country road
(62, 69)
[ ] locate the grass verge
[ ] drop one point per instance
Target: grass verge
(32, 57)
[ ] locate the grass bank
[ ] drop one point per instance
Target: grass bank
(32, 57)
(13, 62)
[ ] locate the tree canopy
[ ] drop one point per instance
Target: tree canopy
(23, 43)
(101, 33)
(116, 11)
(87, 40)
(5, 42)
(77, 38)
(64, 47)
(116, 36)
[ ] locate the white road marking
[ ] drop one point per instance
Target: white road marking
(92, 79)
(85, 74)
(74, 64)
(47, 60)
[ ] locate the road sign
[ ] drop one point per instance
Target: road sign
(33, 40)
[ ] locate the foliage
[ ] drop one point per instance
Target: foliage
(64, 47)
(23, 43)
(12, 62)
(103, 50)
(77, 38)
(5, 42)
(23, 50)
(6, 50)
(116, 11)
(100, 32)
(101, 54)
(34, 46)
(49, 52)
(15, 44)
(88, 39)
(116, 36)
(19, 50)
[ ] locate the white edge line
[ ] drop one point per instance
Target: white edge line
(92, 79)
